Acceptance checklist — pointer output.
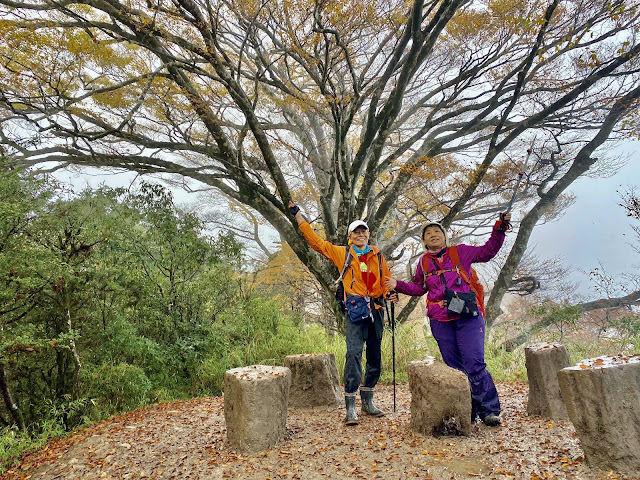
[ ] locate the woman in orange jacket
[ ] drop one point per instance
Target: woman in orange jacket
(364, 297)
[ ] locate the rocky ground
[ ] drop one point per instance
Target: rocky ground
(186, 440)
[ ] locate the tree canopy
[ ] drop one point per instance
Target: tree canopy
(391, 111)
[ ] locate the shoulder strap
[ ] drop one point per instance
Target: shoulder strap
(425, 271)
(440, 273)
(347, 263)
(453, 255)
(380, 264)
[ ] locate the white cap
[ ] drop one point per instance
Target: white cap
(357, 223)
(432, 224)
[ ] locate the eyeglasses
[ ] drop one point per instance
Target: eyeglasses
(360, 232)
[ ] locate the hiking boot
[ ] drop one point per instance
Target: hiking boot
(492, 420)
(367, 403)
(352, 416)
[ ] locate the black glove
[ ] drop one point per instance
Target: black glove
(293, 210)
(503, 224)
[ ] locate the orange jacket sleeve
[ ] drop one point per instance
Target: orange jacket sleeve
(334, 253)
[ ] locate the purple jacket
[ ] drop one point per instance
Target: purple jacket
(434, 288)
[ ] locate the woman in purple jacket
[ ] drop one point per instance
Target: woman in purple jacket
(460, 337)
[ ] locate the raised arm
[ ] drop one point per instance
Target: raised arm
(486, 252)
(329, 250)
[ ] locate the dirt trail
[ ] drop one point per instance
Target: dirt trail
(186, 440)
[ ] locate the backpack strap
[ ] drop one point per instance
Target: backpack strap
(453, 255)
(426, 273)
(347, 263)
(439, 272)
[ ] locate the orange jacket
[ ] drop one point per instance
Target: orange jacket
(353, 281)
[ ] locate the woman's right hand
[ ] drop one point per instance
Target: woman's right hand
(390, 283)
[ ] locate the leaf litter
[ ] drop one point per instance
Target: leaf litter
(186, 440)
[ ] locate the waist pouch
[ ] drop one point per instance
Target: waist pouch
(357, 308)
(461, 304)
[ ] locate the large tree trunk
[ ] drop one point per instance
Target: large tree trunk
(8, 400)
(408, 309)
(631, 299)
(581, 164)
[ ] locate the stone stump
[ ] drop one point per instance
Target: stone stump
(543, 361)
(314, 381)
(440, 399)
(602, 396)
(255, 406)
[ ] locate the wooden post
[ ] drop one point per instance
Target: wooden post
(543, 361)
(602, 396)
(255, 406)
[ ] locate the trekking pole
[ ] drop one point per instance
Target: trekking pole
(520, 175)
(393, 349)
(392, 322)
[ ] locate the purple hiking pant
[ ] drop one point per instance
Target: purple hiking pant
(461, 344)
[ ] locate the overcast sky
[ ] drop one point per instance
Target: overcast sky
(595, 228)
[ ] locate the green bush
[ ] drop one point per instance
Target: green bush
(411, 344)
(12, 446)
(122, 340)
(258, 332)
(118, 387)
(14, 443)
(65, 414)
(505, 366)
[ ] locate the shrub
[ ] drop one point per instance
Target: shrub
(505, 366)
(118, 387)
(411, 344)
(122, 340)
(12, 446)
(14, 443)
(258, 332)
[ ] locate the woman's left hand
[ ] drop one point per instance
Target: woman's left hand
(390, 283)
(503, 223)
